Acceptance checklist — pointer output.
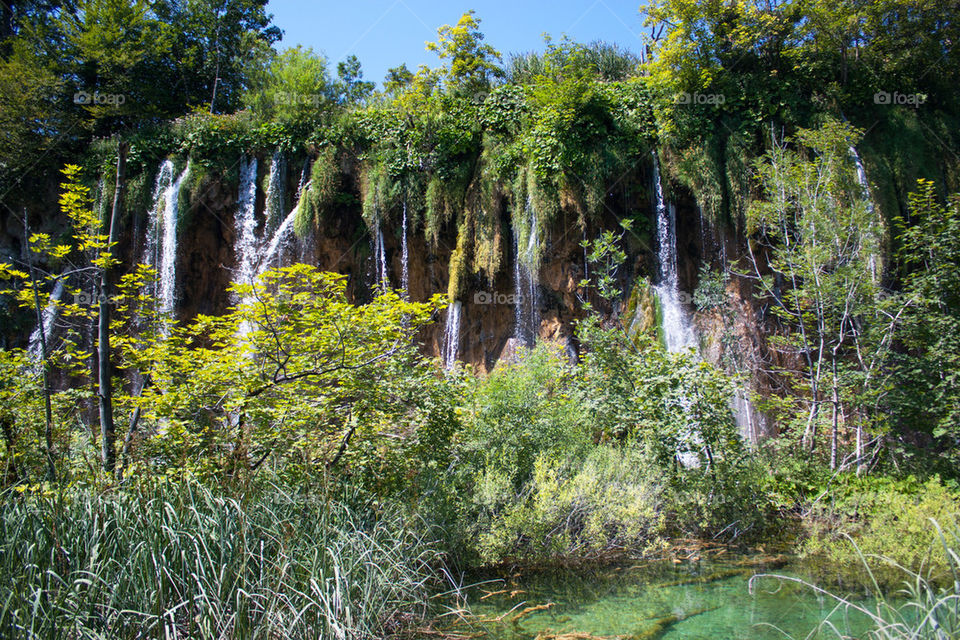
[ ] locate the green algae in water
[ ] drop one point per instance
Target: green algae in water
(657, 601)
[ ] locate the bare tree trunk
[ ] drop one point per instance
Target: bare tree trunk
(104, 392)
(835, 428)
(44, 355)
(131, 429)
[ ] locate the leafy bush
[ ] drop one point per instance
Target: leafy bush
(610, 500)
(884, 517)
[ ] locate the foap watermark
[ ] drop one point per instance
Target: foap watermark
(699, 98)
(495, 297)
(903, 99)
(84, 299)
(291, 99)
(99, 99)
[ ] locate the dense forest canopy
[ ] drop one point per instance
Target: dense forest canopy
(814, 142)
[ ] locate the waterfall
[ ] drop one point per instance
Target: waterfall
(527, 319)
(245, 225)
(48, 316)
(160, 248)
(278, 241)
(678, 333)
(865, 189)
(405, 256)
(276, 182)
(451, 338)
(380, 255)
(245, 222)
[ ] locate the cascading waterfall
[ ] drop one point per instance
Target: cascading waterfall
(285, 231)
(678, 332)
(273, 200)
(527, 320)
(405, 256)
(451, 338)
(379, 253)
(48, 316)
(278, 241)
(245, 224)
(160, 250)
(865, 188)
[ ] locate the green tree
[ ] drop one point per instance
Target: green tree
(815, 255)
(927, 390)
(350, 84)
(472, 64)
(294, 372)
(295, 85)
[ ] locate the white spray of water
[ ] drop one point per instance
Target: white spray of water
(273, 199)
(865, 188)
(451, 339)
(527, 318)
(405, 256)
(678, 332)
(160, 250)
(245, 225)
(48, 316)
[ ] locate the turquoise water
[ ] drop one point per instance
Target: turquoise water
(655, 600)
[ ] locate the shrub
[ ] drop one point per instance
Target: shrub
(886, 518)
(609, 501)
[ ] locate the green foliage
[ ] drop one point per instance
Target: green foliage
(927, 391)
(181, 560)
(295, 86)
(320, 193)
(472, 64)
(293, 373)
(711, 290)
(886, 518)
(823, 238)
(610, 500)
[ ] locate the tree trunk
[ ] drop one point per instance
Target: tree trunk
(44, 354)
(105, 393)
(835, 427)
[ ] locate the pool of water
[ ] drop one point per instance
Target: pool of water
(662, 600)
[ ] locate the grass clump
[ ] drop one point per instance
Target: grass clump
(186, 561)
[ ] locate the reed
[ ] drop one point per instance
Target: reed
(926, 607)
(185, 561)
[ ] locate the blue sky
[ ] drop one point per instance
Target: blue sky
(384, 33)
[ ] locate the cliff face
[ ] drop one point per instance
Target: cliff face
(207, 260)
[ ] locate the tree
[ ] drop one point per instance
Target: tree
(295, 85)
(351, 86)
(815, 239)
(295, 371)
(397, 79)
(472, 64)
(926, 395)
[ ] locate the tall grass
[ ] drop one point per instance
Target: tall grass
(927, 607)
(181, 561)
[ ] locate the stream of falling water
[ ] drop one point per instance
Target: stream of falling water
(160, 248)
(273, 199)
(527, 319)
(380, 255)
(678, 332)
(245, 225)
(865, 188)
(48, 316)
(405, 256)
(451, 338)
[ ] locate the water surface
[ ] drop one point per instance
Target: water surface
(656, 600)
